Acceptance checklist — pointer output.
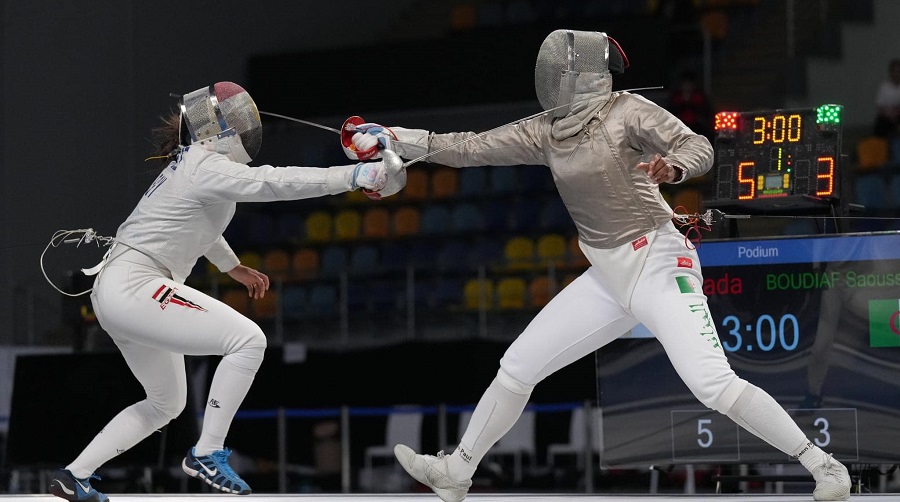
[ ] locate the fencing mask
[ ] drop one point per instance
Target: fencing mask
(224, 118)
(570, 60)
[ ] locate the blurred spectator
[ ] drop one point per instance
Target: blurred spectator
(887, 102)
(689, 103)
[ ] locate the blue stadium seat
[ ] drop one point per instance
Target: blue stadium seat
(536, 178)
(394, 256)
(504, 179)
(472, 181)
(555, 215)
(364, 260)
(294, 302)
(871, 192)
(435, 219)
(525, 215)
(466, 217)
(453, 256)
(496, 216)
(334, 261)
(323, 300)
(447, 292)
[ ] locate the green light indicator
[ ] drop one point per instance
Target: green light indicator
(828, 114)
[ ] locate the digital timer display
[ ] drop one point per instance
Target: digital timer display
(814, 321)
(778, 155)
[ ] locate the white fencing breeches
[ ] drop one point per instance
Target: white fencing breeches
(155, 322)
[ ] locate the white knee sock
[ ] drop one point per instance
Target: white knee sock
(125, 430)
(228, 390)
(494, 416)
(756, 411)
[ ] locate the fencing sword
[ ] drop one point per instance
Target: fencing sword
(466, 140)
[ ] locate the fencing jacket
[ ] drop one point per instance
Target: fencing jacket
(592, 155)
(184, 212)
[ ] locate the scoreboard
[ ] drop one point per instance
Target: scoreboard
(778, 158)
(814, 321)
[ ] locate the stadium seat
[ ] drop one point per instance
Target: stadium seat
(478, 294)
(423, 254)
(525, 215)
(305, 263)
(487, 252)
(250, 259)
(347, 225)
(237, 298)
(540, 291)
(416, 184)
(872, 152)
(496, 216)
(472, 181)
(447, 293)
(511, 293)
(871, 192)
(290, 228)
(261, 229)
(276, 263)
(335, 261)
(453, 256)
(576, 255)
(535, 178)
(323, 300)
(364, 260)
(319, 226)
(406, 221)
(519, 253)
(466, 218)
(444, 182)
(504, 180)
(435, 219)
(265, 307)
(555, 215)
(394, 256)
(552, 249)
(294, 302)
(376, 223)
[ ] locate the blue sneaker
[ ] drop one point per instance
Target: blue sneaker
(64, 485)
(214, 469)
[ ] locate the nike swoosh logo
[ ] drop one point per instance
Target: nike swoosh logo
(63, 486)
(85, 488)
(212, 472)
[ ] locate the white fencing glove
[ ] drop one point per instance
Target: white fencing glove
(396, 176)
(369, 176)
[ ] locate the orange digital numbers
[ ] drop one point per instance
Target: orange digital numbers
(759, 130)
(780, 129)
(825, 176)
(746, 179)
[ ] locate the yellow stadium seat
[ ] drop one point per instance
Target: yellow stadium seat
(478, 294)
(552, 248)
(511, 293)
(347, 225)
(251, 259)
(319, 226)
(519, 253)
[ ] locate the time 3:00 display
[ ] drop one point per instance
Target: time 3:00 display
(766, 334)
(777, 154)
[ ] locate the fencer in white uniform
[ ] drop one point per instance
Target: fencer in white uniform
(608, 152)
(140, 298)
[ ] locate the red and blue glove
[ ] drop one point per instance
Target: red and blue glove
(364, 140)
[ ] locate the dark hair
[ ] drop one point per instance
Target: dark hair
(166, 138)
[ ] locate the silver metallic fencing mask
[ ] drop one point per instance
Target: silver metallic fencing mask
(224, 118)
(567, 55)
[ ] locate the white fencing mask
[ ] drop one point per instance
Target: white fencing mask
(568, 58)
(224, 118)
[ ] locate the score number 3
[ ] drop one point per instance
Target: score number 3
(705, 435)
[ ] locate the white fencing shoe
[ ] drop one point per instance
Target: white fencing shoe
(832, 480)
(432, 472)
